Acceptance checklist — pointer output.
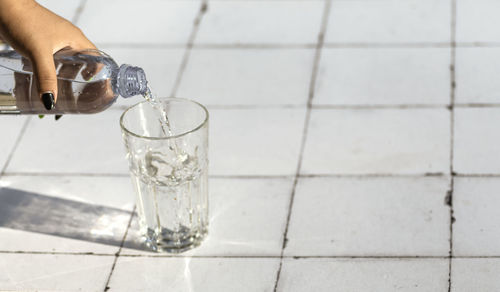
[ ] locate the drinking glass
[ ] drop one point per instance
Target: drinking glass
(169, 171)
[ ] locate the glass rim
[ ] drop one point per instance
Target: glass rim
(205, 121)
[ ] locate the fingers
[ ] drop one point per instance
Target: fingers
(90, 69)
(44, 70)
(67, 72)
(45, 74)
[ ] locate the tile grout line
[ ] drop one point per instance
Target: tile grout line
(378, 106)
(66, 174)
(449, 196)
(313, 175)
(117, 254)
(312, 84)
(311, 46)
(189, 47)
(78, 12)
(381, 257)
(55, 253)
(340, 106)
(16, 144)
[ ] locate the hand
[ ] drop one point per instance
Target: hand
(90, 97)
(37, 34)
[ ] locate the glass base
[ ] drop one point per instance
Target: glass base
(174, 242)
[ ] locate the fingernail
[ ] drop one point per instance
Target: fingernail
(48, 100)
(58, 117)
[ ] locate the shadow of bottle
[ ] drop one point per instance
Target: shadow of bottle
(27, 211)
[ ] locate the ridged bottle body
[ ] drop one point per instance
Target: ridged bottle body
(88, 82)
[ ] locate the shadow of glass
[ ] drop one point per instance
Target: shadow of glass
(38, 213)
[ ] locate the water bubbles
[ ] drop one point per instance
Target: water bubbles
(169, 168)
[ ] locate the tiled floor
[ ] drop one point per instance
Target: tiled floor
(353, 147)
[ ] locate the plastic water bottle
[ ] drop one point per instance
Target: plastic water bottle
(88, 81)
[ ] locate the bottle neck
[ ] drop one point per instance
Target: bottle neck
(131, 81)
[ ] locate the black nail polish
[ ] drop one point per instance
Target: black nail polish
(58, 117)
(48, 100)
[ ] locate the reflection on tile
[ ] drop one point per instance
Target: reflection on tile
(38, 272)
(151, 22)
(74, 144)
(369, 216)
(355, 76)
(248, 22)
(476, 231)
(389, 21)
(476, 140)
(247, 217)
(411, 141)
(345, 275)
(255, 141)
(476, 72)
(475, 275)
(10, 127)
(248, 76)
(194, 274)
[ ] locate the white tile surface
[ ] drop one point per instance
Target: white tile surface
(255, 141)
(476, 140)
(475, 275)
(194, 274)
(161, 67)
(10, 127)
(248, 76)
(383, 76)
(30, 272)
(74, 144)
(477, 21)
(476, 231)
(377, 141)
(389, 21)
(363, 275)
(15, 240)
(250, 22)
(132, 22)
(341, 216)
(370, 216)
(476, 71)
(247, 217)
(66, 9)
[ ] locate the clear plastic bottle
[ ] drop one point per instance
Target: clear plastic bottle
(88, 81)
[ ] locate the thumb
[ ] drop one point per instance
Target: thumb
(45, 74)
